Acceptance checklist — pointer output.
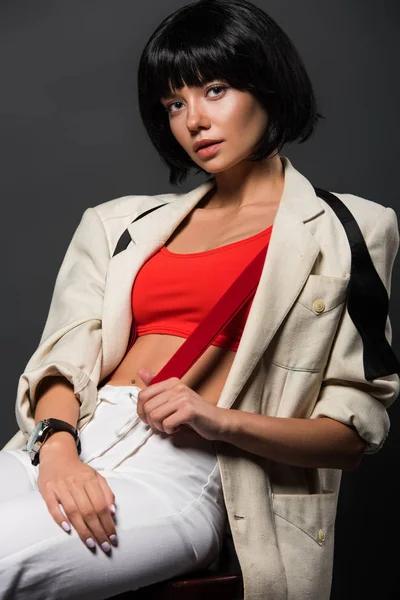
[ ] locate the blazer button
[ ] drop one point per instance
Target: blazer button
(321, 536)
(319, 305)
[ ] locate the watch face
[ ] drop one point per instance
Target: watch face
(34, 435)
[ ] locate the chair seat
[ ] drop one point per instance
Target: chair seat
(193, 586)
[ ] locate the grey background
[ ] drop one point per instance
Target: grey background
(71, 137)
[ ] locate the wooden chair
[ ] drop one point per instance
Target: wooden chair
(221, 581)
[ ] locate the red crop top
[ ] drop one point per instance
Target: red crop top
(173, 292)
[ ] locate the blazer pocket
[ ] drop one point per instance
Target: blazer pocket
(304, 339)
(310, 514)
(305, 532)
(332, 290)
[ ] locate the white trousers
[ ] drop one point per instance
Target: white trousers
(170, 517)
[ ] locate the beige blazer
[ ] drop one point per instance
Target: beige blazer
(292, 361)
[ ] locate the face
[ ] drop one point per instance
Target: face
(216, 111)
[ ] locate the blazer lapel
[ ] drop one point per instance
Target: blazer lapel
(291, 254)
(147, 234)
(290, 257)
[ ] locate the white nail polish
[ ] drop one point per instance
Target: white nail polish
(106, 547)
(66, 526)
(90, 543)
(113, 509)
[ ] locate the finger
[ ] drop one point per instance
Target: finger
(174, 422)
(101, 506)
(53, 506)
(87, 513)
(143, 406)
(162, 416)
(156, 388)
(150, 406)
(74, 516)
(108, 493)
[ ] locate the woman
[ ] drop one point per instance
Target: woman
(156, 492)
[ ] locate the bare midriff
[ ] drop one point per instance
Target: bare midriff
(201, 230)
(152, 351)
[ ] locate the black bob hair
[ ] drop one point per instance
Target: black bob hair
(238, 42)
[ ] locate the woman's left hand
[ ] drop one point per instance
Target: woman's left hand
(168, 404)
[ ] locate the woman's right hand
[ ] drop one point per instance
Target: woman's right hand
(86, 498)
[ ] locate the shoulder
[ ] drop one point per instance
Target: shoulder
(111, 218)
(368, 213)
(130, 206)
(378, 225)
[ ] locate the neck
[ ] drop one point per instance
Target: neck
(247, 184)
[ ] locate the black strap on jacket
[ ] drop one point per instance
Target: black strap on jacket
(125, 238)
(367, 300)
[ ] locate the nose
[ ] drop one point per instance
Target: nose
(196, 117)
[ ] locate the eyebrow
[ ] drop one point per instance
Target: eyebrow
(169, 96)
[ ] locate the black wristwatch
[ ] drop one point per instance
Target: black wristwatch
(43, 430)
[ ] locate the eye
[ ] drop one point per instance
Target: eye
(169, 106)
(217, 87)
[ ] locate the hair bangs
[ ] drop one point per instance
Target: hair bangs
(182, 59)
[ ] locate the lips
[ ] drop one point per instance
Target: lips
(204, 144)
(209, 151)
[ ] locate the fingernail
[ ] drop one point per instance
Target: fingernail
(90, 543)
(105, 546)
(66, 526)
(113, 539)
(113, 509)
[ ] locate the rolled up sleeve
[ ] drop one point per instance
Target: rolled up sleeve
(345, 394)
(71, 342)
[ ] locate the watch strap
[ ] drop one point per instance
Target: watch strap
(52, 426)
